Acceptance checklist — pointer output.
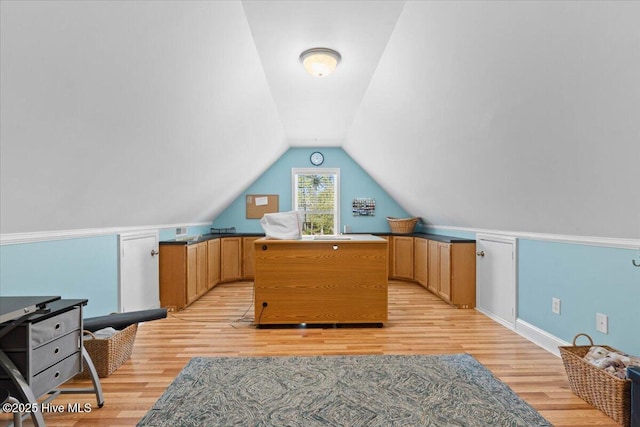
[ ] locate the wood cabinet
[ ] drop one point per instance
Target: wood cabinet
(446, 268)
(452, 272)
(433, 267)
(230, 259)
(183, 274)
(248, 259)
(188, 271)
(444, 271)
(192, 274)
(321, 281)
(202, 264)
(402, 250)
(389, 240)
(420, 261)
(213, 264)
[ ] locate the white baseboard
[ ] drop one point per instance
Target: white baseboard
(539, 337)
(497, 319)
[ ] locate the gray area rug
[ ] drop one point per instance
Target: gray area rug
(445, 390)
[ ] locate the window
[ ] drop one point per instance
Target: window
(315, 195)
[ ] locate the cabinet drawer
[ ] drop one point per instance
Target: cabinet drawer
(54, 327)
(54, 351)
(57, 374)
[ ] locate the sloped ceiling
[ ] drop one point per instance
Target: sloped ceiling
(136, 113)
(495, 115)
(319, 111)
(518, 116)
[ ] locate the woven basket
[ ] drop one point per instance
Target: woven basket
(402, 225)
(609, 394)
(108, 354)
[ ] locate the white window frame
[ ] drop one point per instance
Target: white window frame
(318, 171)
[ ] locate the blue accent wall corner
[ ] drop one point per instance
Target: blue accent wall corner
(71, 268)
(354, 183)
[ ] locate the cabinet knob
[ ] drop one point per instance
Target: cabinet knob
(154, 252)
(335, 247)
(264, 247)
(480, 254)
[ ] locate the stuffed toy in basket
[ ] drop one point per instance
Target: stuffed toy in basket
(594, 385)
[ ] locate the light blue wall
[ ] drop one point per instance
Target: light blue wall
(354, 183)
(587, 279)
(71, 268)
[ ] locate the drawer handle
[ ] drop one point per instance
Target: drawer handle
(57, 326)
(264, 247)
(57, 374)
(335, 247)
(57, 350)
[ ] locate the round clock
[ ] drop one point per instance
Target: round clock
(316, 158)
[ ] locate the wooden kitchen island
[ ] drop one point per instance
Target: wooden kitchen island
(321, 280)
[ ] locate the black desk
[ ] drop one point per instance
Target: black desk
(42, 349)
(13, 308)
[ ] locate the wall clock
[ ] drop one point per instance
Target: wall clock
(316, 158)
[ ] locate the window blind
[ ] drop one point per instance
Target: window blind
(316, 199)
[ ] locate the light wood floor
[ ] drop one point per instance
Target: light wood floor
(219, 324)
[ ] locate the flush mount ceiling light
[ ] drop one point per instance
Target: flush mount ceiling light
(320, 61)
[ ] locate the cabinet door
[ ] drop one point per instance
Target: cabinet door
(192, 272)
(201, 272)
(389, 240)
(230, 259)
(420, 261)
(173, 274)
(248, 261)
(463, 275)
(444, 291)
(321, 282)
(403, 257)
(213, 266)
(433, 267)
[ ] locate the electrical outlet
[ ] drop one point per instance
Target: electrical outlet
(555, 305)
(602, 323)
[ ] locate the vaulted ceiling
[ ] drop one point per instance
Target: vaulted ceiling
(319, 111)
(489, 115)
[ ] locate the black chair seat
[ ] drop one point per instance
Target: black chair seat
(122, 320)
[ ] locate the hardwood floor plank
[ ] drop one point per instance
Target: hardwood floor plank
(219, 324)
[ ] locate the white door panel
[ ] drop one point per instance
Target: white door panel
(496, 277)
(139, 278)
